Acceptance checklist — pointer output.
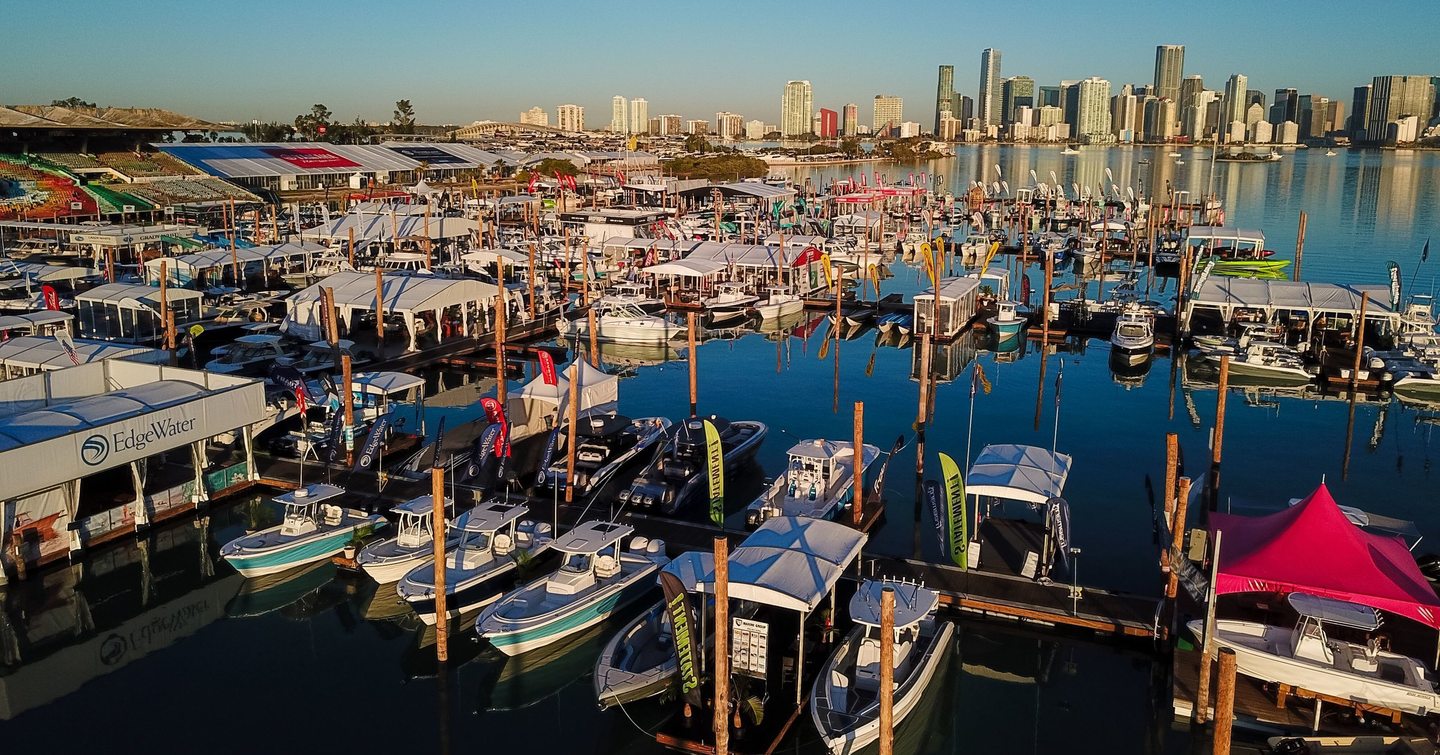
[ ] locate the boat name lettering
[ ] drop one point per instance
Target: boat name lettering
(680, 621)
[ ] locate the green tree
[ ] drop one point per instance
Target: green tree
(267, 131)
(72, 102)
(728, 167)
(314, 124)
(403, 120)
(850, 146)
(697, 143)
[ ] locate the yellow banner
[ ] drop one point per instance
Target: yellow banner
(957, 524)
(715, 461)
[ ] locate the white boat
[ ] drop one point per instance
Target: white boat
(844, 702)
(310, 531)
(1070, 151)
(388, 560)
(251, 353)
(778, 302)
(1007, 321)
(493, 543)
(818, 481)
(622, 322)
(596, 578)
(974, 247)
(1268, 360)
(1307, 658)
(1133, 339)
(729, 302)
(1329, 153)
(638, 662)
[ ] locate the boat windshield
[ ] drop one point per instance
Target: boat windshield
(478, 541)
(576, 563)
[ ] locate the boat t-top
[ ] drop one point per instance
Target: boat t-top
(388, 560)
(818, 481)
(311, 530)
(596, 578)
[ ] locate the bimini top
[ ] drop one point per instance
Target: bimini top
(819, 448)
(912, 602)
(384, 383)
(1018, 473)
(315, 492)
(421, 506)
(1339, 612)
(789, 562)
(591, 537)
(493, 516)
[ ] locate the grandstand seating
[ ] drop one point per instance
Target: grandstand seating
(152, 165)
(189, 191)
(41, 192)
(71, 160)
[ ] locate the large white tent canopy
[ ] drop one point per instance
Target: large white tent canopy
(45, 353)
(385, 227)
(1270, 296)
(404, 295)
(1018, 473)
(789, 562)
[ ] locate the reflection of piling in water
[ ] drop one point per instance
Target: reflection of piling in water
(1219, 441)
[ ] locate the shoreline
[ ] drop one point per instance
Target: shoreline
(794, 163)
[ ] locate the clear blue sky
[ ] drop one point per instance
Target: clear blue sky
(459, 62)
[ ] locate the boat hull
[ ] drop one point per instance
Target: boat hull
(514, 640)
(298, 552)
(867, 728)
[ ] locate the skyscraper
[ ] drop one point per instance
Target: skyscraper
(1286, 107)
(1092, 109)
(639, 115)
(619, 118)
(850, 119)
(1017, 91)
(1048, 96)
(829, 124)
(945, 95)
(795, 107)
(1125, 115)
(729, 125)
(1359, 112)
(990, 88)
(1393, 97)
(889, 112)
(1233, 107)
(1169, 67)
(535, 116)
(570, 117)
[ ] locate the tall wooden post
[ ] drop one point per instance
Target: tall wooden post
(1177, 532)
(346, 395)
(858, 471)
(594, 327)
(1219, 441)
(575, 388)
(1300, 243)
(502, 307)
(1172, 467)
(1225, 703)
(437, 529)
(1359, 342)
(721, 719)
(887, 671)
(350, 250)
(332, 331)
(692, 359)
(165, 322)
(379, 310)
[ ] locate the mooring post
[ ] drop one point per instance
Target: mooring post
(721, 718)
(437, 538)
(1224, 703)
(887, 671)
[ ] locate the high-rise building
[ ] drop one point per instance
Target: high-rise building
(1092, 109)
(1048, 96)
(698, 126)
(535, 116)
(795, 107)
(1169, 68)
(754, 130)
(570, 117)
(1159, 119)
(944, 95)
(1188, 87)
(639, 115)
(889, 112)
(656, 127)
(1286, 107)
(1068, 102)
(1394, 97)
(1254, 114)
(1334, 116)
(1048, 115)
(1017, 91)
(1195, 118)
(1125, 119)
(670, 125)
(850, 119)
(619, 115)
(990, 93)
(1254, 97)
(1359, 112)
(1232, 107)
(729, 125)
(829, 124)
(964, 107)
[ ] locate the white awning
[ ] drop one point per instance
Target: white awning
(1018, 473)
(399, 293)
(385, 226)
(686, 268)
(384, 383)
(597, 389)
(45, 353)
(790, 562)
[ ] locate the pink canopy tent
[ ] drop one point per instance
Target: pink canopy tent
(1311, 547)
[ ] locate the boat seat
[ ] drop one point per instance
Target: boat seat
(524, 539)
(839, 689)
(656, 547)
(606, 567)
(333, 514)
(542, 530)
(502, 545)
(867, 662)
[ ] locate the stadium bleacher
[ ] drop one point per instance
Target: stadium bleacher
(40, 192)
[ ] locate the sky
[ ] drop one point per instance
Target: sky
(489, 60)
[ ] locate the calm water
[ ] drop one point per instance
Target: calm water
(160, 646)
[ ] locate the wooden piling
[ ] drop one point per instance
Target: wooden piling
(332, 329)
(437, 531)
(429, 260)
(1172, 467)
(858, 473)
(721, 719)
(1219, 440)
(1300, 244)
(1225, 703)
(691, 359)
(1177, 533)
(531, 275)
(1359, 342)
(593, 327)
(165, 320)
(887, 671)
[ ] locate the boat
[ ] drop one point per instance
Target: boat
(1070, 150)
(730, 303)
(778, 302)
(252, 353)
(603, 444)
(596, 579)
(679, 477)
(1266, 359)
(818, 481)
(1329, 153)
(1306, 657)
(639, 662)
(844, 702)
(620, 322)
(1370, 744)
(1133, 339)
(857, 314)
(495, 541)
(895, 322)
(638, 296)
(388, 560)
(311, 530)
(1007, 322)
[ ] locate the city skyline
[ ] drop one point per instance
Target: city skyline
(467, 85)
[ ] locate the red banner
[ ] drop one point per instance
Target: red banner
(547, 368)
(811, 254)
(52, 297)
(310, 157)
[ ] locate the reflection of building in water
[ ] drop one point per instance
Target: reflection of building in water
(1362, 193)
(69, 626)
(949, 359)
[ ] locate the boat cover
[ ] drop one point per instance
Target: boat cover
(1312, 547)
(789, 562)
(1018, 473)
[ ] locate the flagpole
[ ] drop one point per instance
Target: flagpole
(1424, 253)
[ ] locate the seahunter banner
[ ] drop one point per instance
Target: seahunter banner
(957, 523)
(715, 463)
(683, 622)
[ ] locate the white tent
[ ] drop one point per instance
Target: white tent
(1018, 473)
(598, 390)
(386, 226)
(27, 355)
(404, 295)
(789, 562)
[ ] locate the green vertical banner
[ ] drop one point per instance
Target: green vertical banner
(715, 463)
(957, 525)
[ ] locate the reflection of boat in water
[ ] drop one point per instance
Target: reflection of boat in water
(271, 592)
(1127, 372)
(526, 679)
(639, 355)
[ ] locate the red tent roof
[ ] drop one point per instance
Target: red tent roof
(1311, 547)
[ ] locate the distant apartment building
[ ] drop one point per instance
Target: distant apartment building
(829, 124)
(1092, 109)
(639, 115)
(850, 119)
(669, 124)
(755, 130)
(1017, 91)
(889, 111)
(698, 126)
(1169, 68)
(1232, 107)
(796, 105)
(1393, 98)
(908, 129)
(990, 92)
(944, 95)
(570, 117)
(619, 115)
(535, 116)
(729, 125)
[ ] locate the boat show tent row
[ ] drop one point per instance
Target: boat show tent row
(65, 426)
(27, 355)
(388, 227)
(296, 165)
(411, 297)
(215, 264)
(1272, 297)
